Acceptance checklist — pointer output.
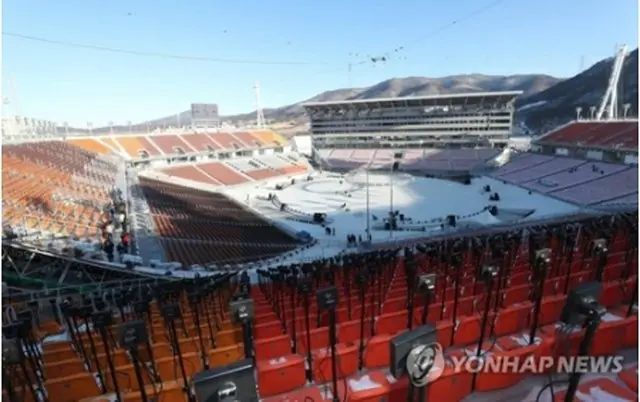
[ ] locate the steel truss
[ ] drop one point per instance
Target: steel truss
(32, 268)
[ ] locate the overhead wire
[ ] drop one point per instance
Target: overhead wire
(383, 57)
(386, 56)
(158, 54)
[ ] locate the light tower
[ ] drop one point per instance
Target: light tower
(260, 123)
(609, 104)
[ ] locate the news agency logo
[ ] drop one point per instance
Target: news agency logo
(426, 364)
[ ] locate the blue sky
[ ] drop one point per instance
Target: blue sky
(64, 83)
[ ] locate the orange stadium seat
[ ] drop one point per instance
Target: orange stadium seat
(269, 138)
(91, 144)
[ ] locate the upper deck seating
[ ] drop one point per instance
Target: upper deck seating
(201, 142)
(270, 138)
(617, 185)
(227, 141)
(190, 219)
(249, 139)
(91, 145)
(171, 144)
(136, 146)
(603, 134)
(223, 173)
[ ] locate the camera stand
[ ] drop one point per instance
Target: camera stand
(102, 320)
(85, 312)
(581, 303)
(194, 301)
(426, 285)
(414, 353)
(170, 313)
(361, 281)
(543, 258)
(411, 279)
(305, 289)
(242, 312)
(13, 355)
(291, 281)
(132, 334)
(327, 301)
(487, 274)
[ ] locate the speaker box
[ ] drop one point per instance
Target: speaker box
(318, 217)
(233, 382)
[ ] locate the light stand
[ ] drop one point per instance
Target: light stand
(130, 335)
(426, 286)
(327, 299)
(487, 273)
(582, 304)
(102, 320)
(170, 313)
(242, 312)
(543, 258)
(305, 289)
(361, 282)
(600, 252)
(415, 353)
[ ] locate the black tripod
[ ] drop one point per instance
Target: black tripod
(592, 324)
(327, 301)
(305, 289)
(170, 313)
(102, 320)
(132, 334)
(13, 355)
(361, 281)
(487, 273)
(543, 257)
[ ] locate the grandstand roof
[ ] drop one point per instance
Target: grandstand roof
(427, 100)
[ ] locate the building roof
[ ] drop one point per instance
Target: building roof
(426, 100)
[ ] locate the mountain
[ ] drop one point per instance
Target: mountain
(546, 101)
(557, 104)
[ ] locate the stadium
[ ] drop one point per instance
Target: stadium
(133, 262)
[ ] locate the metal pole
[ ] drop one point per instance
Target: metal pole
(391, 217)
(368, 210)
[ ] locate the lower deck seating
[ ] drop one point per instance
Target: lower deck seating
(426, 159)
(573, 180)
(239, 171)
(291, 337)
(200, 227)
